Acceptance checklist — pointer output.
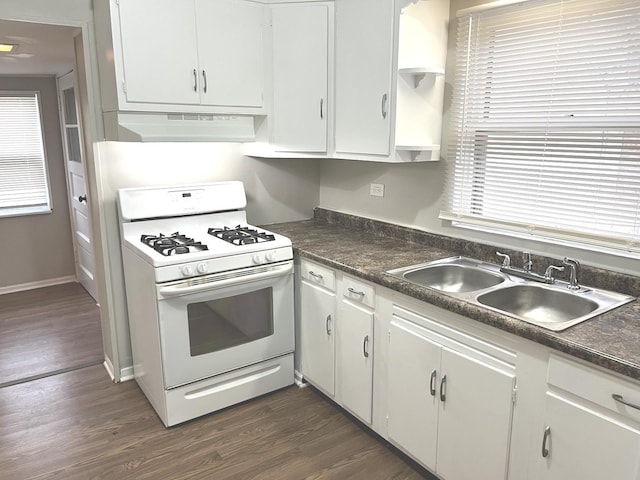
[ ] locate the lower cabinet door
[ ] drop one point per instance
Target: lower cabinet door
(317, 336)
(413, 368)
(356, 359)
(476, 408)
(584, 444)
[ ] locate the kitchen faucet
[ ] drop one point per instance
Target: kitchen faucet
(574, 271)
(525, 272)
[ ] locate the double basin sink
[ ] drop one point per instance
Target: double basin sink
(552, 306)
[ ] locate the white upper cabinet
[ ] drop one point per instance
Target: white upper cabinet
(182, 55)
(390, 79)
(299, 117)
(364, 68)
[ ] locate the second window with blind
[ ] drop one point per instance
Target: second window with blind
(545, 131)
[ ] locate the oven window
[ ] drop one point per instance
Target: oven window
(228, 322)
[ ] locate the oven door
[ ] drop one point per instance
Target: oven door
(220, 322)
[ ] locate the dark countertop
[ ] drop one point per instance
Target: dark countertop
(611, 340)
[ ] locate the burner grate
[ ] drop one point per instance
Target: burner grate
(174, 244)
(241, 235)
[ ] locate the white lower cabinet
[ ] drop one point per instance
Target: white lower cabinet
(587, 434)
(317, 326)
(449, 406)
(355, 355)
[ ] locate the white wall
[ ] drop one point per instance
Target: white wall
(277, 191)
(413, 192)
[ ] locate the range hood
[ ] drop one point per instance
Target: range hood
(178, 127)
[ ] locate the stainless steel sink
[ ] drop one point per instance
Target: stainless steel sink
(554, 307)
(453, 277)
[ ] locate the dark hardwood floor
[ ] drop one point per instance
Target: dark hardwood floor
(48, 330)
(80, 426)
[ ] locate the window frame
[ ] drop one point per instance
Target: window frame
(470, 140)
(47, 208)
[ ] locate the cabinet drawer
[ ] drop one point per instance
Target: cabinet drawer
(595, 386)
(318, 274)
(359, 291)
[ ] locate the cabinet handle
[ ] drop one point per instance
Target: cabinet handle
(443, 388)
(432, 383)
(195, 80)
(619, 398)
(384, 106)
(365, 346)
(327, 326)
(315, 275)
(545, 438)
(204, 81)
(355, 292)
(322, 109)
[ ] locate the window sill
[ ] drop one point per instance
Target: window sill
(24, 211)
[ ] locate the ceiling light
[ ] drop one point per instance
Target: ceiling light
(7, 47)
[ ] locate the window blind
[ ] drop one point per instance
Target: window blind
(545, 121)
(23, 175)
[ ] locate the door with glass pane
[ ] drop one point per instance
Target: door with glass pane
(76, 186)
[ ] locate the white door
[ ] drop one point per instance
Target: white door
(317, 336)
(364, 45)
(230, 52)
(159, 50)
(413, 368)
(476, 406)
(76, 186)
(585, 444)
(356, 357)
(300, 77)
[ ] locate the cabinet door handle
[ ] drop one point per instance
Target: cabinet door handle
(384, 106)
(545, 439)
(365, 346)
(195, 80)
(355, 292)
(328, 325)
(322, 109)
(204, 81)
(443, 388)
(315, 275)
(619, 398)
(432, 383)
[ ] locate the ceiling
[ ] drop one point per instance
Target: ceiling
(42, 49)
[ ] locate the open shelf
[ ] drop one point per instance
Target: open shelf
(419, 73)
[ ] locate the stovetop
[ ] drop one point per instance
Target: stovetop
(173, 241)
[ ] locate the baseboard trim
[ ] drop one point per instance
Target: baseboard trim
(108, 366)
(39, 284)
(126, 374)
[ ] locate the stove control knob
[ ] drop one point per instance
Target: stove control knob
(187, 270)
(202, 267)
(270, 256)
(257, 259)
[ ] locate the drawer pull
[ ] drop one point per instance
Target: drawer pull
(365, 346)
(443, 388)
(545, 439)
(328, 325)
(432, 383)
(619, 398)
(355, 292)
(315, 275)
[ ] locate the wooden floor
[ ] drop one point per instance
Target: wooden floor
(48, 330)
(81, 426)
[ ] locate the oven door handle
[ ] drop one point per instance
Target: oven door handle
(185, 289)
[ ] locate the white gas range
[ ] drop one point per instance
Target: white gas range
(210, 298)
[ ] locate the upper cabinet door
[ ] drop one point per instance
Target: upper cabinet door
(300, 77)
(364, 66)
(159, 48)
(230, 50)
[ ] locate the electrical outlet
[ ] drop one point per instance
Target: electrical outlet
(376, 190)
